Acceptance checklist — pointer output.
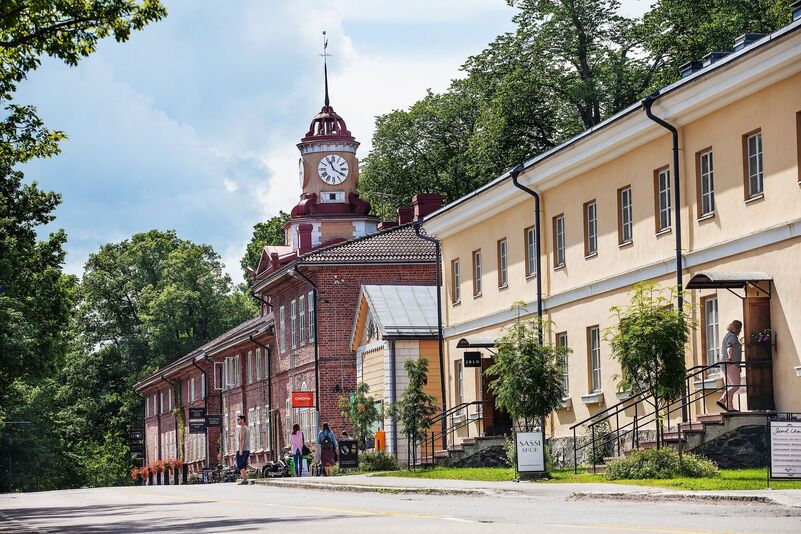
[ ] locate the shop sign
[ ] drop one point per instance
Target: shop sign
(197, 413)
(214, 420)
(785, 449)
(303, 399)
(472, 358)
(348, 454)
(136, 435)
(197, 427)
(530, 452)
(137, 448)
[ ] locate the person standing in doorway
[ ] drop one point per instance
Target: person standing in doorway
(731, 351)
(328, 449)
(242, 447)
(296, 441)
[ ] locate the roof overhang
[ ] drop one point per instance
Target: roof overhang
(476, 343)
(726, 280)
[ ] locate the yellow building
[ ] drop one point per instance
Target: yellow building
(608, 221)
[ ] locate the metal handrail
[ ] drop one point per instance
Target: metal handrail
(452, 427)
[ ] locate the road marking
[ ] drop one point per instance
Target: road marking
(599, 526)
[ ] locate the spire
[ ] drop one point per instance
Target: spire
(325, 66)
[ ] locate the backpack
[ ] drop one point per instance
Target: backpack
(326, 442)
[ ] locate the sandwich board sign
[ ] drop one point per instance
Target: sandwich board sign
(530, 451)
(785, 449)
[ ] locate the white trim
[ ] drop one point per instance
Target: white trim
(755, 241)
(596, 397)
(797, 370)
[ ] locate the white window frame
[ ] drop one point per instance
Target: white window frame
(711, 332)
(503, 263)
(293, 322)
(282, 333)
(663, 199)
(310, 306)
(250, 367)
(592, 227)
(756, 185)
(559, 240)
(147, 406)
(267, 427)
(219, 383)
(203, 378)
(258, 364)
(192, 390)
(531, 251)
(302, 318)
(562, 341)
(626, 219)
(477, 273)
(706, 166)
(169, 393)
(459, 382)
(595, 358)
(457, 281)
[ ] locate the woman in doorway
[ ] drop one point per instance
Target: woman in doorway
(732, 352)
(327, 444)
(296, 441)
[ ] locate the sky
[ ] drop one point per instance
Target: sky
(192, 124)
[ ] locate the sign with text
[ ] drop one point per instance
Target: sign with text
(197, 427)
(472, 358)
(137, 448)
(530, 452)
(136, 435)
(197, 413)
(303, 399)
(214, 420)
(348, 454)
(785, 449)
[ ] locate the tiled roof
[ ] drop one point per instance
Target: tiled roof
(394, 245)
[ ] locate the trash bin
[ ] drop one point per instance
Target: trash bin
(380, 440)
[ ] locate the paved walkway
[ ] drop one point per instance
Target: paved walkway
(362, 483)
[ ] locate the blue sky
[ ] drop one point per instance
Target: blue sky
(192, 124)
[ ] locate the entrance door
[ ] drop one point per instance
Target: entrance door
(759, 373)
(496, 421)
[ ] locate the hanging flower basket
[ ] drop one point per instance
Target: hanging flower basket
(764, 338)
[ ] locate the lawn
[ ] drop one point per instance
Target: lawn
(729, 479)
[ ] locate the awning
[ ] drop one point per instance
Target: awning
(725, 280)
(476, 343)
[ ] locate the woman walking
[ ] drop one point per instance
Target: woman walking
(328, 449)
(296, 441)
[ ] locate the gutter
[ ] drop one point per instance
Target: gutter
(270, 388)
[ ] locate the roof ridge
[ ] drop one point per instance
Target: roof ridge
(355, 240)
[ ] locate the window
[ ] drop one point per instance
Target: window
(252, 425)
(202, 387)
(250, 367)
(293, 322)
(752, 163)
(282, 333)
(594, 353)
(147, 406)
(219, 376)
(503, 264)
(456, 282)
(267, 423)
(662, 198)
(310, 303)
(169, 391)
(459, 374)
(704, 183)
(258, 364)
(191, 390)
(531, 251)
(302, 316)
(709, 333)
(332, 196)
(624, 218)
(477, 273)
(561, 340)
(590, 228)
(559, 241)
(257, 412)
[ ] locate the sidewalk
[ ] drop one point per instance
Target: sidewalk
(367, 483)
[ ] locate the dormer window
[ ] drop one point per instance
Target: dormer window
(330, 197)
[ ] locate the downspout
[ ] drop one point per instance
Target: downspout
(205, 404)
(537, 261)
(392, 396)
(270, 390)
(176, 419)
(293, 272)
(430, 239)
(646, 104)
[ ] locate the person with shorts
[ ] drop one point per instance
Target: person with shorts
(242, 448)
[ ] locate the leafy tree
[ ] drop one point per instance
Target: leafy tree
(527, 379)
(361, 412)
(416, 407)
(264, 233)
(648, 341)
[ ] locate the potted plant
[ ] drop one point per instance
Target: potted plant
(763, 338)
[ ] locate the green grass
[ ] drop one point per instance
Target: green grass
(729, 479)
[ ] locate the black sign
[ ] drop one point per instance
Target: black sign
(136, 435)
(197, 428)
(348, 454)
(214, 420)
(197, 413)
(472, 358)
(137, 448)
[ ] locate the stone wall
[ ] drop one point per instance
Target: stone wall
(745, 446)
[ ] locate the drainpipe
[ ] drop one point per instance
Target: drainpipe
(537, 262)
(270, 388)
(176, 420)
(439, 327)
(392, 395)
(295, 273)
(205, 404)
(646, 104)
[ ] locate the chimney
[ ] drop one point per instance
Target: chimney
(690, 67)
(405, 214)
(383, 225)
(747, 39)
(274, 261)
(713, 57)
(304, 236)
(795, 9)
(426, 204)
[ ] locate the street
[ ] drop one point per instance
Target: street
(256, 508)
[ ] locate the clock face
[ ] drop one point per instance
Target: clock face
(300, 171)
(333, 169)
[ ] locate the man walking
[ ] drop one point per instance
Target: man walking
(242, 447)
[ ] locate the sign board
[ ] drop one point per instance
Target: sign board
(785, 449)
(303, 399)
(137, 448)
(136, 435)
(472, 358)
(530, 451)
(214, 420)
(197, 427)
(207, 475)
(348, 454)
(197, 413)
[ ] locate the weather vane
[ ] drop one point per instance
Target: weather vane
(325, 55)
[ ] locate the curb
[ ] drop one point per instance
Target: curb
(687, 497)
(364, 488)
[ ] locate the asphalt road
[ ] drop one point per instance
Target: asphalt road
(230, 508)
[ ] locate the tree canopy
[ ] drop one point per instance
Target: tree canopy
(264, 233)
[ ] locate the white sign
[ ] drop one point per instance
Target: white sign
(530, 452)
(785, 449)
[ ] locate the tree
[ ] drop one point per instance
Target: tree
(360, 410)
(264, 233)
(416, 407)
(648, 341)
(527, 379)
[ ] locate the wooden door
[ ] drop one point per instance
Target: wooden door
(496, 421)
(759, 373)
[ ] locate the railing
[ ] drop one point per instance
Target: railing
(458, 417)
(648, 411)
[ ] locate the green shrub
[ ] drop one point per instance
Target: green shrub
(510, 448)
(660, 463)
(377, 461)
(194, 478)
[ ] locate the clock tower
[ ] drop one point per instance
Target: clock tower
(330, 209)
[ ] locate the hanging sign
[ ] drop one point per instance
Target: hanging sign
(472, 358)
(530, 452)
(197, 413)
(303, 399)
(197, 427)
(214, 420)
(136, 435)
(785, 449)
